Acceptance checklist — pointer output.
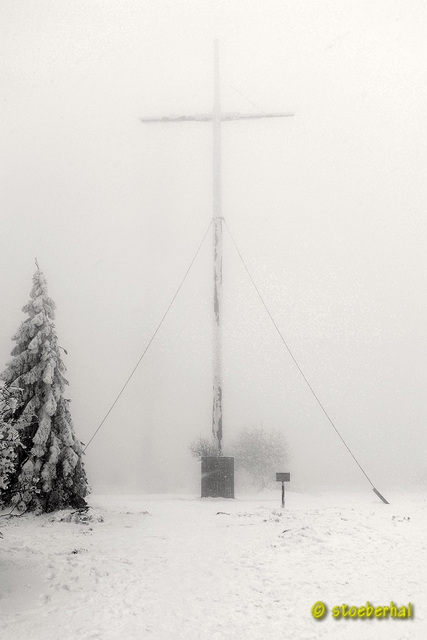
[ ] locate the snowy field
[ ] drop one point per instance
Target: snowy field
(179, 567)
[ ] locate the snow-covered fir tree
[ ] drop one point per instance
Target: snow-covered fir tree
(49, 473)
(9, 437)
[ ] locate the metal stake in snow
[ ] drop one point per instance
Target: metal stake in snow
(217, 117)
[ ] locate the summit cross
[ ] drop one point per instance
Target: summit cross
(216, 117)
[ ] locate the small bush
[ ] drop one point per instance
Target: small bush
(202, 447)
(260, 454)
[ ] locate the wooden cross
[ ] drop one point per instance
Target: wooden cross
(216, 117)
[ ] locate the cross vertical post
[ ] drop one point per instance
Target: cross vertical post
(217, 259)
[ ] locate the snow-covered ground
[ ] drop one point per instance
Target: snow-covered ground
(161, 567)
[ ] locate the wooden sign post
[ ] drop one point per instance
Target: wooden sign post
(283, 477)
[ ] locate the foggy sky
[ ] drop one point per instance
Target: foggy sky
(328, 209)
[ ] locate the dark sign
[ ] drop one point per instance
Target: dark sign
(283, 477)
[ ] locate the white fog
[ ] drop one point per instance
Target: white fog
(327, 209)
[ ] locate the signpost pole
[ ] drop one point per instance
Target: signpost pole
(283, 477)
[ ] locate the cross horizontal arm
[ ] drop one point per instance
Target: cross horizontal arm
(203, 117)
(254, 116)
(207, 117)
